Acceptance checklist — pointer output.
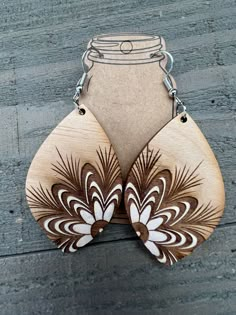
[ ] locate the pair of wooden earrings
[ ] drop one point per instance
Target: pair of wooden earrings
(173, 195)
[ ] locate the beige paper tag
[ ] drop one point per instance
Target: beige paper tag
(125, 91)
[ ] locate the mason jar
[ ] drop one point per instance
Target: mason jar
(124, 90)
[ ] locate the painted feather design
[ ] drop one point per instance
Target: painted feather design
(81, 202)
(163, 211)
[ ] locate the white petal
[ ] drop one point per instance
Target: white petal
(154, 223)
(82, 228)
(134, 214)
(87, 217)
(72, 249)
(84, 240)
(68, 225)
(109, 212)
(162, 260)
(157, 236)
(144, 217)
(98, 211)
(152, 248)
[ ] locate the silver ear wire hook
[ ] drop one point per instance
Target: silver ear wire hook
(172, 91)
(165, 53)
(80, 83)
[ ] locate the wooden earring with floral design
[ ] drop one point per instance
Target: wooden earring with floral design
(74, 182)
(174, 195)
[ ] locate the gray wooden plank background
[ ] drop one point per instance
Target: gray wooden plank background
(41, 43)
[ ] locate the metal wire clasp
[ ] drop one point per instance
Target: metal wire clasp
(81, 82)
(172, 91)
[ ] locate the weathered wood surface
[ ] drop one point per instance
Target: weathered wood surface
(40, 46)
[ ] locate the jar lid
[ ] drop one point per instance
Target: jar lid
(125, 49)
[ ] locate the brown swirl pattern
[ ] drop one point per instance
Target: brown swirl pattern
(81, 203)
(165, 215)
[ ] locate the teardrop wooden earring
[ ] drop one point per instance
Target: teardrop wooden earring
(74, 182)
(174, 194)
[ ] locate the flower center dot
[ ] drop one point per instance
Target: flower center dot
(97, 227)
(141, 231)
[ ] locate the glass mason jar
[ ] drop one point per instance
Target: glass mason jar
(124, 89)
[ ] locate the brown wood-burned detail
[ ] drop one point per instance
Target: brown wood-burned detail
(82, 200)
(163, 209)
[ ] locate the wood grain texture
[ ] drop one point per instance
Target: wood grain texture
(74, 184)
(174, 193)
(40, 46)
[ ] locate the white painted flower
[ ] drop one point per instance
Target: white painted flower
(164, 209)
(94, 222)
(146, 228)
(81, 202)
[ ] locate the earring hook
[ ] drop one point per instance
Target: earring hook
(84, 66)
(172, 91)
(80, 83)
(167, 72)
(167, 79)
(166, 53)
